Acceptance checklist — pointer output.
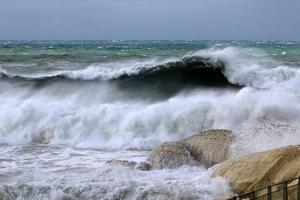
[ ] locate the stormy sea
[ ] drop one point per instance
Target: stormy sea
(67, 108)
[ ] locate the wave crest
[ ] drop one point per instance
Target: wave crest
(228, 66)
(169, 76)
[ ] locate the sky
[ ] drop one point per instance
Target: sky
(150, 20)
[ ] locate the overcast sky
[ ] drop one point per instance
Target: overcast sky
(150, 19)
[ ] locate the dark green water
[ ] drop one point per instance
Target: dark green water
(87, 52)
(68, 107)
(130, 89)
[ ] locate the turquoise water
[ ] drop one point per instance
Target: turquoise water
(67, 107)
(30, 57)
(124, 78)
(101, 51)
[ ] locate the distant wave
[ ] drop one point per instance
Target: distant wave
(219, 67)
(191, 70)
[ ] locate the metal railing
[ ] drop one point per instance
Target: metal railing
(286, 190)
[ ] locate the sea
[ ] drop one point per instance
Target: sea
(67, 108)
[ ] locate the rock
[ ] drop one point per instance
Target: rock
(143, 166)
(258, 170)
(169, 155)
(210, 147)
(207, 148)
(126, 163)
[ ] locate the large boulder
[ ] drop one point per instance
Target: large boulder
(169, 155)
(206, 148)
(210, 147)
(258, 170)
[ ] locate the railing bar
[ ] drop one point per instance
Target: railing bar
(298, 190)
(283, 183)
(285, 191)
(260, 189)
(280, 183)
(265, 189)
(289, 186)
(253, 196)
(292, 186)
(259, 196)
(244, 195)
(282, 189)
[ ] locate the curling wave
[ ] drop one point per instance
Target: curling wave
(219, 67)
(190, 69)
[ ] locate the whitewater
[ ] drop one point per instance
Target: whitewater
(67, 110)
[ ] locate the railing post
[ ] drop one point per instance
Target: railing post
(298, 189)
(253, 196)
(285, 191)
(270, 193)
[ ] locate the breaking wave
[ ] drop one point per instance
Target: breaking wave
(193, 70)
(229, 66)
(98, 106)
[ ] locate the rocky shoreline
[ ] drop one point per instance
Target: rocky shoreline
(211, 149)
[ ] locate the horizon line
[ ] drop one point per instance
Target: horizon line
(140, 40)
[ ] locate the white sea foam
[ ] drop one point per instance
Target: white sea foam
(264, 114)
(103, 71)
(251, 67)
(69, 116)
(59, 172)
(265, 136)
(105, 117)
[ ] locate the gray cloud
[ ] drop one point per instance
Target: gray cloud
(150, 19)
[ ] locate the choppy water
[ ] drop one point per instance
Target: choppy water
(60, 172)
(67, 107)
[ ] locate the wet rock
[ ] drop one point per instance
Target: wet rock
(206, 148)
(210, 147)
(258, 170)
(169, 155)
(126, 163)
(143, 166)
